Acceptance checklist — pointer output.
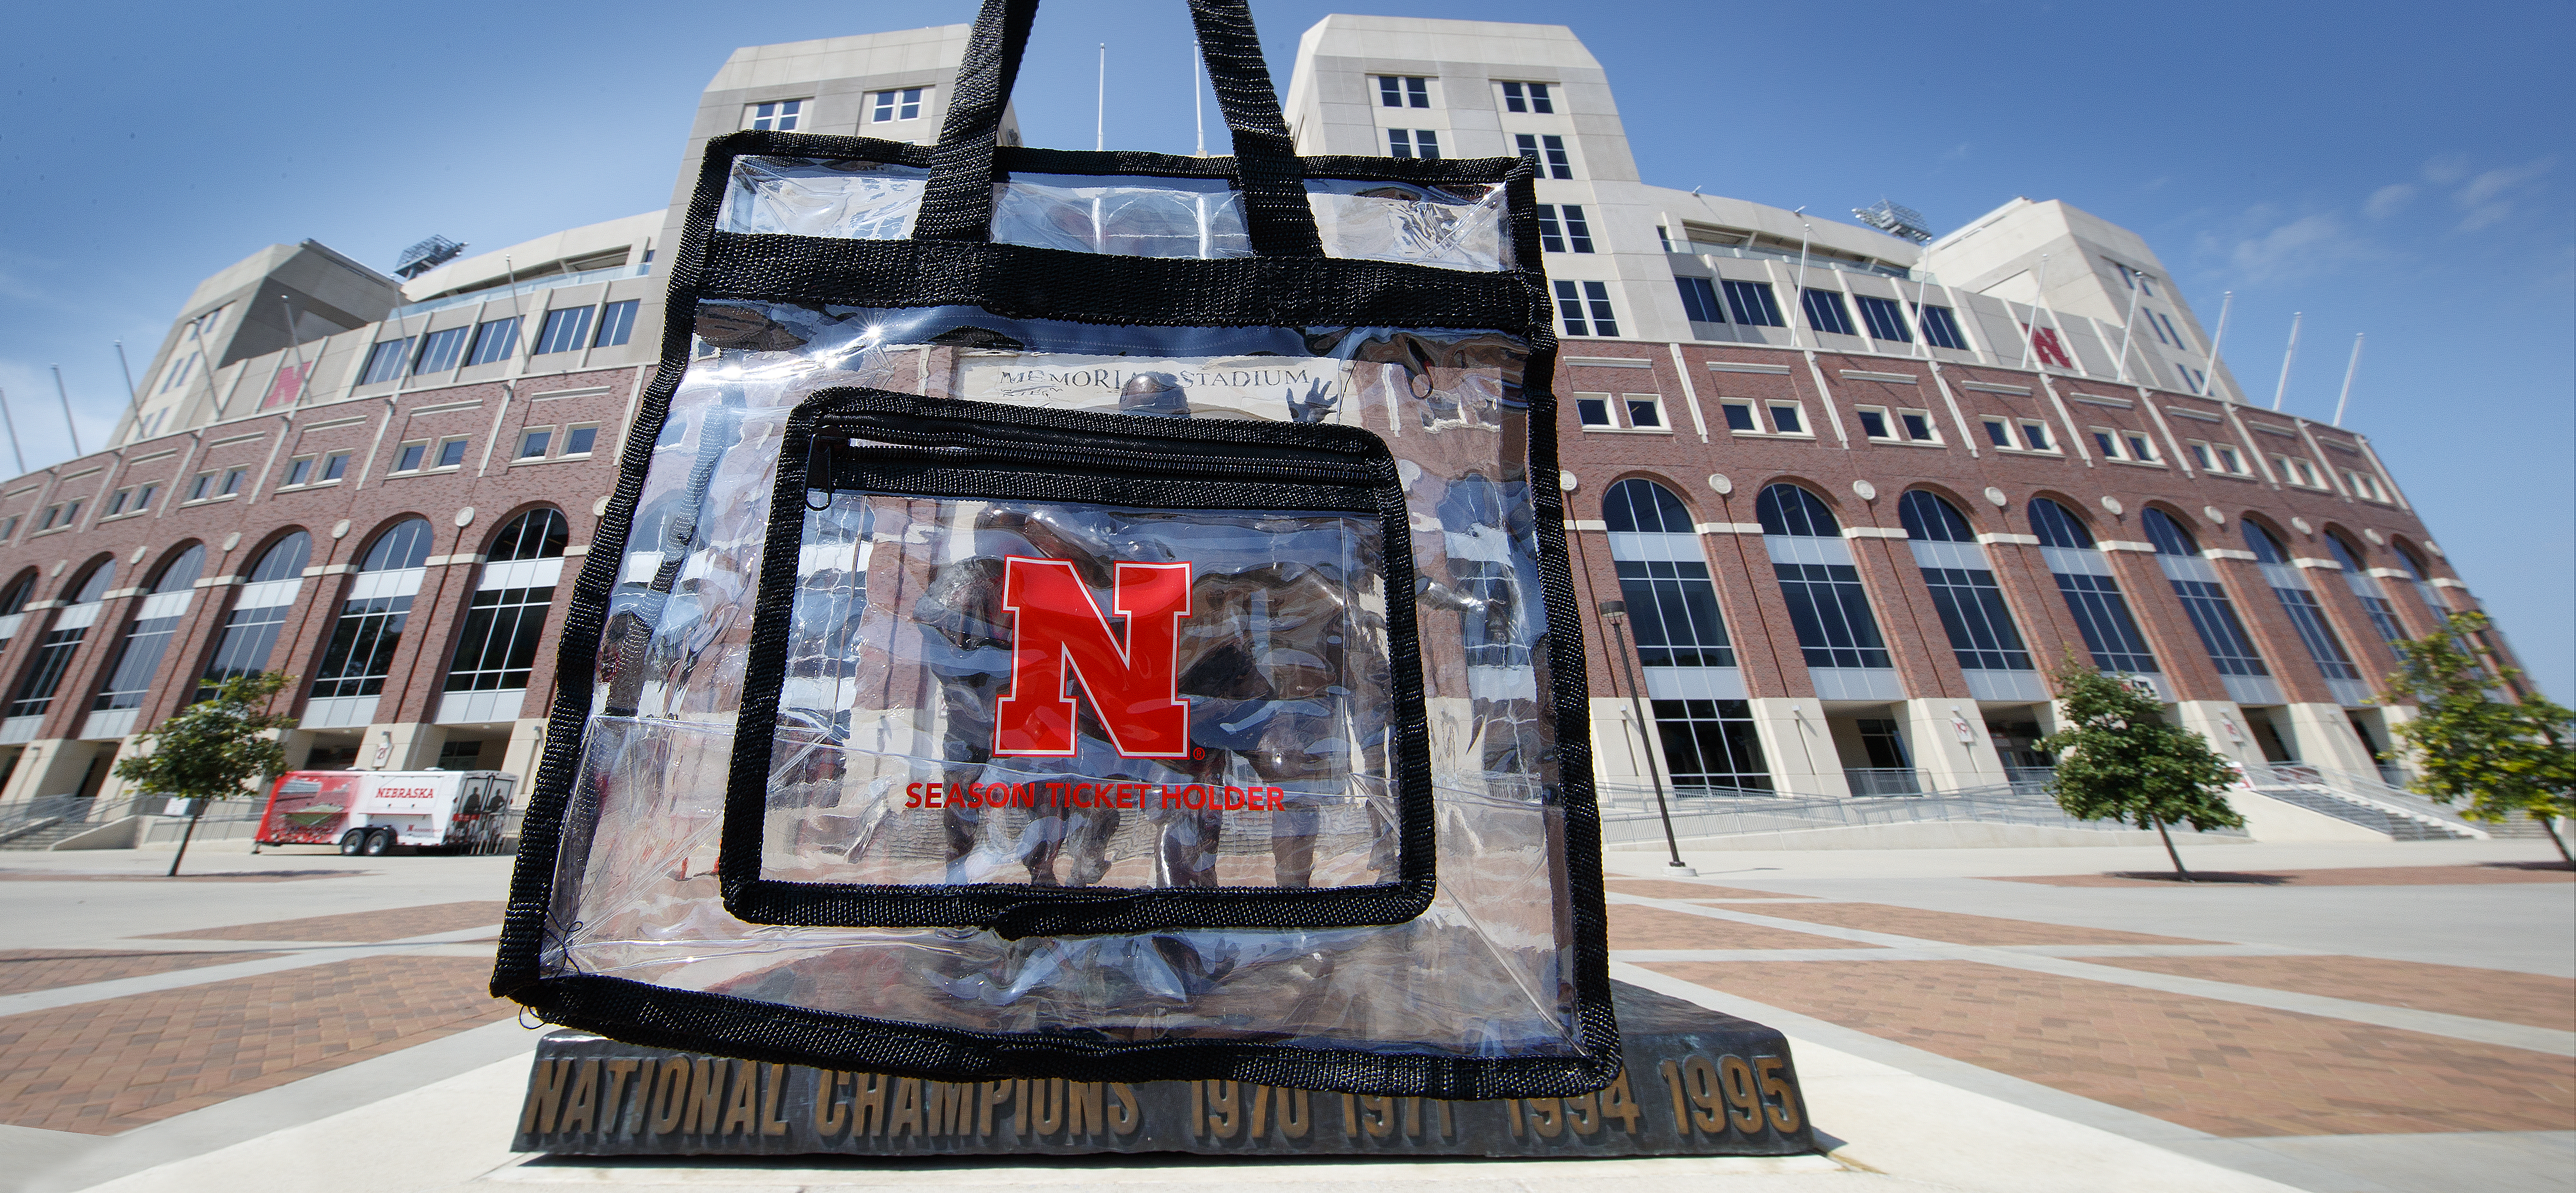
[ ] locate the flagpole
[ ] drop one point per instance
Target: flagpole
(2129, 322)
(2287, 355)
(1100, 104)
(66, 397)
(1198, 100)
(2348, 371)
(2210, 383)
(12, 425)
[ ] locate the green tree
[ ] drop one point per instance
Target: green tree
(2118, 759)
(2500, 757)
(213, 749)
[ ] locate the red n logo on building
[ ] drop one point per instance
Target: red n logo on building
(1134, 687)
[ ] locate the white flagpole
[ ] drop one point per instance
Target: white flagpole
(2129, 323)
(1198, 101)
(2030, 330)
(2209, 384)
(66, 397)
(1100, 104)
(1798, 301)
(2348, 371)
(2287, 355)
(12, 425)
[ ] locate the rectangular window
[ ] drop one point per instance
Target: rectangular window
(1672, 607)
(1831, 614)
(249, 636)
(534, 441)
(1788, 419)
(298, 470)
(1578, 231)
(53, 514)
(902, 104)
(1526, 97)
(2158, 332)
(2199, 454)
(2104, 442)
(1973, 614)
(2231, 650)
(451, 453)
(1825, 311)
(1999, 432)
(577, 440)
(1711, 745)
(9, 527)
(2172, 330)
(116, 504)
(1547, 152)
(779, 116)
(334, 466)
(439, 350)
(563, 331)
(1940, 327)
(1403, 92)
(1699, 300)
(1873, 423)
(72, 516)
(137, 660)
(1917, 425)
(1551, 234)
(1644, 410)
(384, 361)
(408, 460)
(2141, 448)
(2103, 614)
(143, 498)
(2319, 638)
(2232, 462)
(616, 322)
(1419, 142)
(1593, 410)
(233, 478)
(45, 672)
(497, 650)
(202, 489)
(2034, 435)
(1753, 303)
(2383, 617)
(496, 340)
(1884, 320)
(361, 651)
(1739, 416)
(1577, 300)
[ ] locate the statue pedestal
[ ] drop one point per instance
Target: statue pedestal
(1698, 1083)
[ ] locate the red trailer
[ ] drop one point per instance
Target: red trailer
(371, 811)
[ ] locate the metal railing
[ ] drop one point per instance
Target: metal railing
(2359, 791)
(1702, 248)
(1880, 780)
(549, 282)
(1628, 812)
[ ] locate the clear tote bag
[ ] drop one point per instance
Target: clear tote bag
(1099, 616)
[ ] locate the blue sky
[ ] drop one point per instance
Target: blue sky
(2384, 170)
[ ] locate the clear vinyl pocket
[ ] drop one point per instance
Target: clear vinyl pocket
(1055, 672)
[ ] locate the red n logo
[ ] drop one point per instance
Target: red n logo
(1134, 688)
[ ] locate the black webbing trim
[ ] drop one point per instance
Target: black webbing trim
(957, 205)
(1273, 184)
(698, 1021)
(1020, 282)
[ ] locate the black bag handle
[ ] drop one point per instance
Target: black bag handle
(957, 203)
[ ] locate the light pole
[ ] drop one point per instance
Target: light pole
(1615, 615)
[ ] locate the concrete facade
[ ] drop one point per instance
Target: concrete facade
(2101, 416)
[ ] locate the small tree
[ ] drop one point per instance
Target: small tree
(2118, 759)
(212, 749)
(2500, 757)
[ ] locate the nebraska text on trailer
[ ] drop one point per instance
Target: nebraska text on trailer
(370, 812)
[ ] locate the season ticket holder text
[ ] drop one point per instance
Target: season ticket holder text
(1055, 793)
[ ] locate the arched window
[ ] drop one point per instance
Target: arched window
(1962, 583)
(139, 657)
(2374, 599)
(2424, 586)
(54, 653)
(19, 594)
(2092, 595)
(361, 651)
(2266, 548)
(2414, 563)
(259, 612)
(498, 648)
(1929, 519)
(1827, 605)
(1672, 610)
(2205, 601)
(1644, 507)
(2168, 535)
(1792, 511)
(2290, 584)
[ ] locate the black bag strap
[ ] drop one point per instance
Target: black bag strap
(958, 201)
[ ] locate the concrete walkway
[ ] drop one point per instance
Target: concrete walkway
(2346, 1019)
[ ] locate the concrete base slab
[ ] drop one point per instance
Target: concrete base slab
(2503, 1161)
(1928, 834)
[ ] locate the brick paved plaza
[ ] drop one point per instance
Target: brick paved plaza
(2342, 1019)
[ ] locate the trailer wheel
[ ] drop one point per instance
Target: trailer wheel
(355, 841)
(379, 841)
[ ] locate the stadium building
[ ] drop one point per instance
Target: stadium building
(1838, 496)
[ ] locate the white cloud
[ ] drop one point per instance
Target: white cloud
(2492, 213)
(2388, 200)
(2450, 167)
(2303, 246)
(1957, 153)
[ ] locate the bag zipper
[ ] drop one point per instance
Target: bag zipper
(1167, 459)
